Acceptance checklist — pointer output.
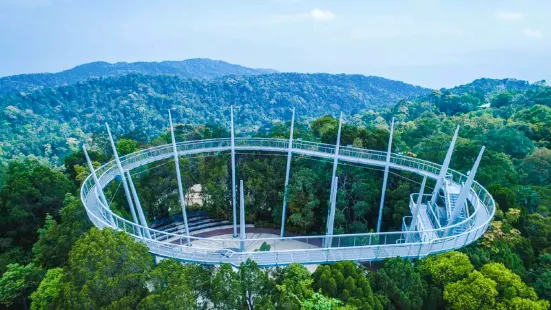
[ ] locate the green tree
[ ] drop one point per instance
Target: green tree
(55, 240)
(198, 279)
(126, 146)
(302, 200)
(226, 289)
(168, 288)
(30, 193)
(442, 269)
(106, 268)
(540, 276)
(502, 100)
(17, 283)
(294, 283)
(508, 140)
(509, 285)
(348, 282)
(504, 196)
(473, 292)
(46, 295)
(538, 229)
(537, 167)
(256, 287)
(401, 283)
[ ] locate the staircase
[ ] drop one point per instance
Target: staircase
(462, 215)
(197, 222)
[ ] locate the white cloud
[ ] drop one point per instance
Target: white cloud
(317, 15)
(321, 15)
(509, 16)
(532, 33)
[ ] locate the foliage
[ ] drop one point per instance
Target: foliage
(473, 292)
(126, 146)
(169, 288)
(508, 268)
(17, 283)
(55, 240)
(106, 268)
(347, 282)
(445, 268)
(190, 68)
(30, 192)
(136, 102)
(403, 285)
(47, 293)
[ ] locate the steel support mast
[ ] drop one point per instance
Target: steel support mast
(141, 215)
(242, 234)
(123, 178)
(99, 188)
(179, 178)
(335, 165)
(464, 194)
(233, 193)
(287, 173)
(415, 214)
(444, 170)
(331, 217)
(385, 177)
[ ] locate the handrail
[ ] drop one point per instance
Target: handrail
(480, 197)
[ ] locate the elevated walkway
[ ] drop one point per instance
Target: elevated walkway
(306, 249)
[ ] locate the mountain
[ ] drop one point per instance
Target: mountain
(490, 86)
(191, 68)
(50, 122)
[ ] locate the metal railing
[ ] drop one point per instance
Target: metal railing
(306, 249)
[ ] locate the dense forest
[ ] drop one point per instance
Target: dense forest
(52, 122)
(190, 68)
(51, 257)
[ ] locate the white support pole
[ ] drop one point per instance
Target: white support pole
(242, 234)
(233, 189)
(444, 170)
(179, 178)
(336, 155)
(385, 177)
(141, 215)
(415, 214)
(464, 194)
(331, 217)
(98, 185)
(287, 173)
(123, 178)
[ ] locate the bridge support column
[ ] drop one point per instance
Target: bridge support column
(233, 189)
(98, 185)
(385, 177)
(331, 217)
(123, 179)
(287, 173)
(141, 215)
(444, 170)
(335, 165)
(242, 234)
(179, 178)
(415, 214)
(464, 194)
(336, 156)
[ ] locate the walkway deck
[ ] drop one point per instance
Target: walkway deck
(356, 247)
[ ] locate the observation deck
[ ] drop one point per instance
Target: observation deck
(433, 232)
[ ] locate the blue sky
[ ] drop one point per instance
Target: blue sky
(425, 42)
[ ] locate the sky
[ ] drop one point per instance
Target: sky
(432, 43)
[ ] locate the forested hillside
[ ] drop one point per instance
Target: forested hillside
(190, 68)
(51, 122)
(51, 258)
